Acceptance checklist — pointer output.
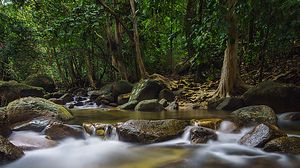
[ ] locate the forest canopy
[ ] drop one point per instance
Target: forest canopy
(88, 42)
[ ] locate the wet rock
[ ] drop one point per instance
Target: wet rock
(28, 108)
(129, 106)
(212, 123)
(163, 102)
(231, 103)
(150, 131)
(8, 151)
(13, 90)
(58, 131)
(79, 98)
(292, 116)
(280, 97)
(79, 104)
(260, 135)
(149, 105)
(255, 115)
(67, 98)
(41, 80)
(284, 145)
(99, 129)
(146, 90)
(200, 135)
(173, 106)
(71, 106)
(166, 94)
(57, 101)
(31, 141)
(37, 124)
(123, 98)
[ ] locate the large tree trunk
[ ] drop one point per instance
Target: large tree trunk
(190, 16)
(230, 82)
(142, 71)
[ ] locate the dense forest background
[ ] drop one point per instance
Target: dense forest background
(90, 42)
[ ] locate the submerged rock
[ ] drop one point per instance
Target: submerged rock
(212, 123)
(202, 135)
(8, 151)
(58, 131)
(149, 105)
(28, 108)
(284, 145)
(41, 80)
(255, 115)
(260, 135)
(13, 90)
(146, 90)
(280, 97)
(129, 105)
(150, 131)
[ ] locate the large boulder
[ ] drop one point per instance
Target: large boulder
(146, 90)
(8, 151)
(149, 105)
(280, 97)
(231, 103)
(260, 135)
(28, 108)
(284, 145)
(121, 87)
(58, 131)
(12, 90)
(199, 135)
(254, 115)
(150, 131)
(41, 80)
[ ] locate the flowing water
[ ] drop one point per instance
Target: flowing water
(94, 152)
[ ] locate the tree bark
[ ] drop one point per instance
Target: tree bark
(230, 83)
(142, 71)
(189, 21)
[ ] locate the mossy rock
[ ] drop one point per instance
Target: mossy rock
(150, 131)
(284, 145)
(252, 115)
(41, 80)
(8, 151)
(280, 97)
(149, 105)
(145, 90)
(29, 108)
(12, 90)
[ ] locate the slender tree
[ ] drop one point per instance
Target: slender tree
(230, 82)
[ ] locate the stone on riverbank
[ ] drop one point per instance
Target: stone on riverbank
(28, 108)
(149, 105)
(255, 115)
(284, 145)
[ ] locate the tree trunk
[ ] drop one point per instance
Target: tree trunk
(230, 83)
(189, 21)
(142, 71)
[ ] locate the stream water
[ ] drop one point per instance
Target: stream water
(94, 152)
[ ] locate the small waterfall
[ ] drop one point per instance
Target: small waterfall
(187, 133)
(114, 135)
